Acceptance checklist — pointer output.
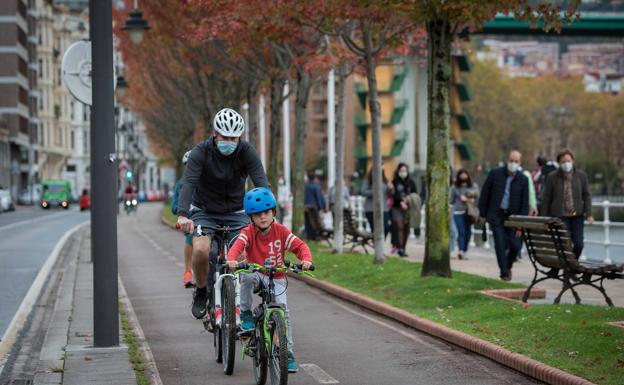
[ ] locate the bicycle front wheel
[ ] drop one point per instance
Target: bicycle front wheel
(228, 325)
(259, 358)
(278, 350)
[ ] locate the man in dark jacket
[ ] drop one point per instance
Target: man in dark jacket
(212, 191)
(314, 203)
(566, 195)
(504, 193)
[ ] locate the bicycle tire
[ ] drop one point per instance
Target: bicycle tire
(259, 359)
(228, 325)
(278, 350)
(216, 331)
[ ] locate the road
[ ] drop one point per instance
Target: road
(333, 339)
(27, 237)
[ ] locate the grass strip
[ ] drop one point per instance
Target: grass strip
(167, 215)
(574, 338)
(136, 356)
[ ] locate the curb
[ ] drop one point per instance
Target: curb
(519, 362)
(151, 368)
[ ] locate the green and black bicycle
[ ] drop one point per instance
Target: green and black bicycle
(267, 343)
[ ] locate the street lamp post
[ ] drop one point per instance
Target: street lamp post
(103, 179)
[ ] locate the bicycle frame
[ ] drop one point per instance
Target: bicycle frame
(222, 241)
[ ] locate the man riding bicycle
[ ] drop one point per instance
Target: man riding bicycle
(213, 187)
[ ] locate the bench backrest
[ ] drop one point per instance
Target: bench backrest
(547, 240)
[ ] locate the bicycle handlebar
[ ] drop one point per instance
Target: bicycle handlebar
(256, 267)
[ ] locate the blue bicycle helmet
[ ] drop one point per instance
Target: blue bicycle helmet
(258, 200)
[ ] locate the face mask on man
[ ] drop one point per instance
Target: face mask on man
(567, 166)
(403, 175)
(226, 147)
(512, 167)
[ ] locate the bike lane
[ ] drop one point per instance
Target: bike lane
(335, 342)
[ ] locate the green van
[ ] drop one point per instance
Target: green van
(55, 192)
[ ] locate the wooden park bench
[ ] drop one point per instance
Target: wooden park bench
(550, 250)
(353, 236)
(313, 218)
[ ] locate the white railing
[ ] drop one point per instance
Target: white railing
(357, 205)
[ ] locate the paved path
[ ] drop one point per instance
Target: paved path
(350, 345)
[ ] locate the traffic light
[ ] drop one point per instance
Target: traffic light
(129, 174)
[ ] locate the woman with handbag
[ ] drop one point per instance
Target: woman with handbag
(465, 212)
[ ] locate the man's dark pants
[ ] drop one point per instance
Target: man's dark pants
(506, 244)
(576, 226)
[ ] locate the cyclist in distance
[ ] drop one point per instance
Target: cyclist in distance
(187, 278)
(266, 239)
(212, 192)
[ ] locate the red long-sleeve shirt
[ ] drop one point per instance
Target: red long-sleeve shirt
(273, 245)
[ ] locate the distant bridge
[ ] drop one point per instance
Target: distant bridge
(590, 24)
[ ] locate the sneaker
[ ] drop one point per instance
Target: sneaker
(247, 322)
(292, 364)
(200, 298)
(187, 279)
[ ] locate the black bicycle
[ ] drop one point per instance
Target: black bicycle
(223, 318)
(267, 344)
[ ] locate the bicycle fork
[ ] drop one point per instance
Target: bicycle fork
(218, 304)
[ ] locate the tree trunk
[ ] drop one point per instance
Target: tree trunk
(301, 105)
(275, 130)
(437, 256)
(252, 120)
(340, 149)
(375, 111)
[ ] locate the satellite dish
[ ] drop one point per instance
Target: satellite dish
(76, 71)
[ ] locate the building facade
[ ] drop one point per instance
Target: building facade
(18, 96)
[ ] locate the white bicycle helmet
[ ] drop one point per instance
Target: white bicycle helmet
(228, 122)
(185, 157)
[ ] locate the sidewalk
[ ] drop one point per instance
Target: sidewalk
(482, 262)
(68, 356)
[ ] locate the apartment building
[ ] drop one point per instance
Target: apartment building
(18, 96)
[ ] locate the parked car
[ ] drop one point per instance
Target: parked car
(6, 201)
(85, 200)
(56, 192)
(26, 198)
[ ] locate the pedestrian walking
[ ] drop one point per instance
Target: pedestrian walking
(367, 192)
(283, 200)
(504, 193)
(566, 195)
(462, 199)
(314, 202)
(403, 187)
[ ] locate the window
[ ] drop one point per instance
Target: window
(72, 139)
(72, 110)
(40, 69)
(71, 168)
(85, 143)
(318, 107)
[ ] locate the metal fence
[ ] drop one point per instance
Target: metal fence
(357, 205)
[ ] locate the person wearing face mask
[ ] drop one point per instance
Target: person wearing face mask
(505, 192)
(463, 193)
(212, 192)
(403, 187)
(566, 195)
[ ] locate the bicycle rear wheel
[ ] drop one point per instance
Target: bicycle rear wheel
(228, 325)
(216, 332)
(278, 350)
(259, 359)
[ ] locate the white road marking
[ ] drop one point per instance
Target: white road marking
(411, 336)
(20, 317)
(27, 221)
(318, 374)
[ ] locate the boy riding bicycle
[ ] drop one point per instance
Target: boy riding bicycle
(265, 239)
